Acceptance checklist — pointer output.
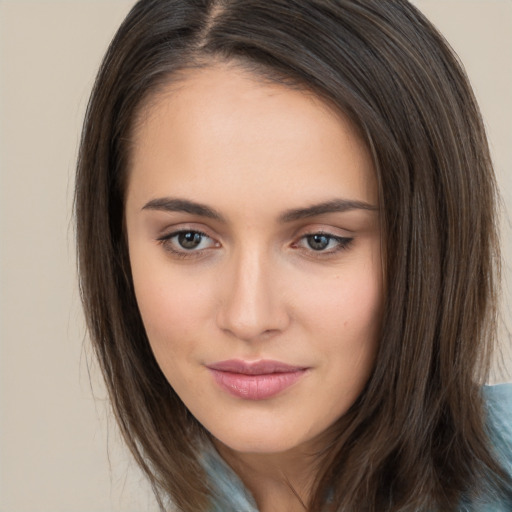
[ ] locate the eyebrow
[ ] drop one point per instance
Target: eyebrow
(168, 204)
(334, 206)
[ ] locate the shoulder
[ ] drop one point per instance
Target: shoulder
(499, 394)
(498, 401)
(498, 404)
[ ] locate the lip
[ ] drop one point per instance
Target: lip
(257, 380)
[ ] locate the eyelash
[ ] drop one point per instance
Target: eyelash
(342, 243)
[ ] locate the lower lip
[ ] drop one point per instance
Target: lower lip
(256, 387)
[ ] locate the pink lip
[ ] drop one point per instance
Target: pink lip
(255, 381)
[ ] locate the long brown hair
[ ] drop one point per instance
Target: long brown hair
(416, 438)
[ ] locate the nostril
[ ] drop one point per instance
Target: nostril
(249, 321)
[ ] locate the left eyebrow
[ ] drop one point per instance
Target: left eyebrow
(334, 206)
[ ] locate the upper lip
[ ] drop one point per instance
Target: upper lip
(262, 367)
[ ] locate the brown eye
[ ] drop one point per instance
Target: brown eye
(190, 239)
(187, 242)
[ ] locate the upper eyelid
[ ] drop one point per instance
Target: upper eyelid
(332, 231)
(307, 227)
(169, 231)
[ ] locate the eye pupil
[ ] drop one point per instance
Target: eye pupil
(318, 242)
(189, 239)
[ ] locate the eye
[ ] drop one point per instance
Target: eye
(187, 241)
(323, 243)
(318, 242)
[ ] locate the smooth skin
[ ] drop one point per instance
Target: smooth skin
(253, 234)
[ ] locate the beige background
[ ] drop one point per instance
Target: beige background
(53, 432)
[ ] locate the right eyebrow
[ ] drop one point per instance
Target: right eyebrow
(169, 204)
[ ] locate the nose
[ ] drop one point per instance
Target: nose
(252, 303)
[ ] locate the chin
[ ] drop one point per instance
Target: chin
(263, 442)
(258, 446)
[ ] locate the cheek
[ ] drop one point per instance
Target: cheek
(175, 309)
(349, 303)
(343, 318)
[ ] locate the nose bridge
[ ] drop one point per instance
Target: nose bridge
(250, 300)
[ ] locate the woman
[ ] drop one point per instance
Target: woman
(288, 258)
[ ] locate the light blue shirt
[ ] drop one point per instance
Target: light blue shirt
(232, 496)
(498, 400)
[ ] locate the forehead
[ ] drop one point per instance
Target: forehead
(223, 126)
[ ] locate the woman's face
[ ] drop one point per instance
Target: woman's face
(254, 243)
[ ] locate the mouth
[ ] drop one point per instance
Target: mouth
(258, 380)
